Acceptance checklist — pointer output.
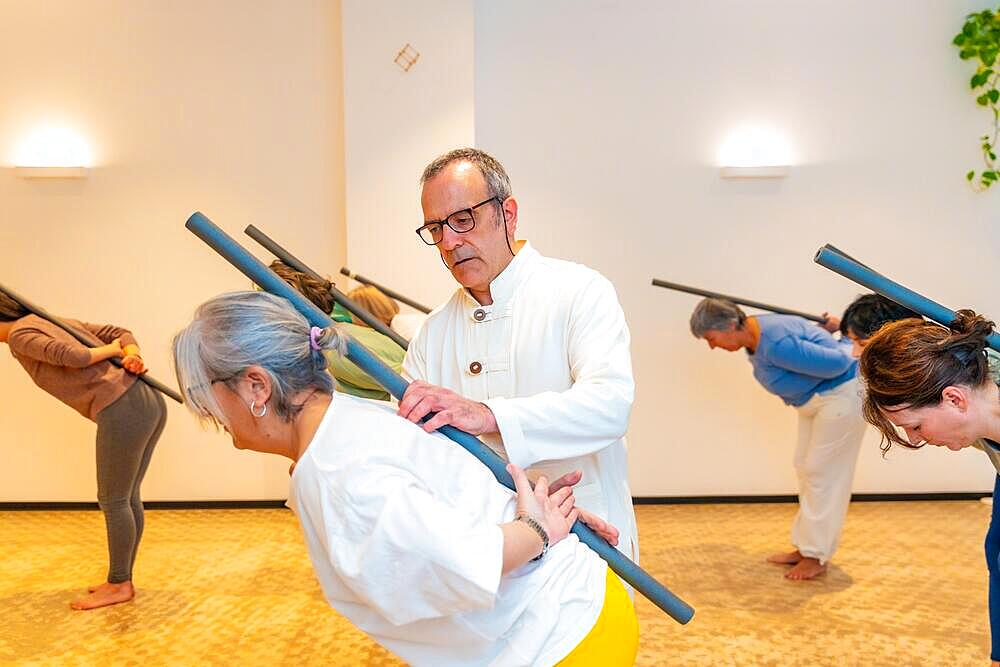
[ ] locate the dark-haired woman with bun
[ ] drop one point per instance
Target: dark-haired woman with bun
(940, 387)
(866, 315)
(129, 415)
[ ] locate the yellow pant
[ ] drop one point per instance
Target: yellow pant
(614, 639)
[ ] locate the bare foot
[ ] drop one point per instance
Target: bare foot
(105, 595)
(790, 558)
(807, 568)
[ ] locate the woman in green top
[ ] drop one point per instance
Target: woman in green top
(350, 379)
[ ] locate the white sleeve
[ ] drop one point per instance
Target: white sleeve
(415, 361)
(594, 412)
(407, 554)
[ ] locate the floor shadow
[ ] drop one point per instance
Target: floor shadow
(41, 623)
(729, 577)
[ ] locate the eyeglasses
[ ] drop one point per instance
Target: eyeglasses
(199, 387)
(460, 222)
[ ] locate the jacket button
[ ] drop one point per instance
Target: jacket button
(475, 368)
(479, 315)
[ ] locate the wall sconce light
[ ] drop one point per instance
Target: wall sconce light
(52, 153)
(755, 152)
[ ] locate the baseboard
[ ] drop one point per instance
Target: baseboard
(638, 500)
(153, 505)
(857, 498)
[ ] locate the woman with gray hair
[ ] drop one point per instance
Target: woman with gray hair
(808, 369)
(411, 538)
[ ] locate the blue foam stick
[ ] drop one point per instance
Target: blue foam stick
(90, 340)
(261, 275)
(849, 267)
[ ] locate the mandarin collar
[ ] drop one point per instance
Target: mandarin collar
(503, 286)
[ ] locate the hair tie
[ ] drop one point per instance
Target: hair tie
(314, 333)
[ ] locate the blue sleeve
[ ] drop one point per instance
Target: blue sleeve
(808, 358)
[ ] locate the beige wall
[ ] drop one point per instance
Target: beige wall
(232, 108)
(395, 123)
(610, 116)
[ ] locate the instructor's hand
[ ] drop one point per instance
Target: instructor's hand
(422, 398)
(600, 526)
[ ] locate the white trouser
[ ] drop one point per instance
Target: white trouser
(831, 428)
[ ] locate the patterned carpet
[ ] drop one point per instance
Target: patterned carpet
(908, 587)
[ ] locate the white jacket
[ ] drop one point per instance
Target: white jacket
(550, 357)
(403, 532)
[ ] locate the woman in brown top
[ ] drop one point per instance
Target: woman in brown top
(130, 417)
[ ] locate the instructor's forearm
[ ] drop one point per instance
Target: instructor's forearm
(520, 544)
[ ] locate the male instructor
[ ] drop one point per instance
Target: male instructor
(530, 353)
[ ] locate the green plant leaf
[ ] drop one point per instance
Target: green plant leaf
(970, 175)
(989, 176)
(994, 95)
(959, 39)
(982, 100)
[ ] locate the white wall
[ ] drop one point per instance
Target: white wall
(395, 123)
(609, 115)
(228, 107)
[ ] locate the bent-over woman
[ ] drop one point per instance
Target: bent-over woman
(411, 537)
(129, 415)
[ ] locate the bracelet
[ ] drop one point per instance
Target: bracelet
(537, 527)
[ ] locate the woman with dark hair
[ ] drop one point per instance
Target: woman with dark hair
(808, 369)
(940, 387)
(866, 315)
(130, 417)
(412, 539)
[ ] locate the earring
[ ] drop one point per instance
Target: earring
(253, 406)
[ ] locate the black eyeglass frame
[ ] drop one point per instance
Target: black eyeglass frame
(468, 210)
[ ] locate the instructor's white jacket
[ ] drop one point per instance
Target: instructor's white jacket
(550, 357)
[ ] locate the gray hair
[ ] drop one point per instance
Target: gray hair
(234, 331)
(715, 315)
(493, 172)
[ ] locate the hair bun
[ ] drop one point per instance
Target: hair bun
(329, 338)
(969, 323)
(968, 339)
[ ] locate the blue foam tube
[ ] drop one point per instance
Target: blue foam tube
(355, 309)
(738, 300)
(392, 294)
(261, 275)
(90, 340)
(852, 269)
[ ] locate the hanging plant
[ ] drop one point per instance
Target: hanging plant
(980, 41)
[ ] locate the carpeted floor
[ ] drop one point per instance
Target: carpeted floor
(908, 587)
